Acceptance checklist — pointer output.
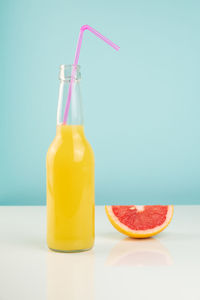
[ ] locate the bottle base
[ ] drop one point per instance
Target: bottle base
(70, 251)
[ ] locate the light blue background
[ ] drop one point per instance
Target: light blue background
(141, 105)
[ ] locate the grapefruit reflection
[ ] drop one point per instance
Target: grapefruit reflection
(139, 252)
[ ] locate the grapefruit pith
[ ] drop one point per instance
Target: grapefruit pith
(140, 221)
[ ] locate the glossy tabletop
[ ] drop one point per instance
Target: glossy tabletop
(164, 267)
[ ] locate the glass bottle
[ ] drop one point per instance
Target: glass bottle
(70, 175)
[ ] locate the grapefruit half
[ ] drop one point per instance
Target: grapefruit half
(140, 221)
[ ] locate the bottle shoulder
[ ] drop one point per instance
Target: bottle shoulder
(73, 148)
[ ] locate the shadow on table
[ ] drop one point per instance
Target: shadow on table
(109, 236)
(70, 276)
(139, 252)
(180, 236)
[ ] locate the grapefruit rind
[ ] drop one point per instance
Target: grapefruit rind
(138, 233)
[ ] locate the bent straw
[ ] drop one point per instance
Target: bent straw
(99, 35)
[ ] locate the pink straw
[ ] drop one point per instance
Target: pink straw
(99, 35)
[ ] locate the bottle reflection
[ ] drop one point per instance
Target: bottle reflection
(70, 275)
(139, 252)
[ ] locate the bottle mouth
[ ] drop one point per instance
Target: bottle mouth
(66, 72)
(69, 66)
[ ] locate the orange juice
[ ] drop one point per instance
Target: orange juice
(70, 191)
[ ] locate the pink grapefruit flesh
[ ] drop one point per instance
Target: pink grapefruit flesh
(140, 221)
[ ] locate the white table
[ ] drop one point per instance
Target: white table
(165, 267)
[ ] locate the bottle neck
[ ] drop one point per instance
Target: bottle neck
(75, 115)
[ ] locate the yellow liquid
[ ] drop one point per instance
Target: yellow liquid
(70, 190)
